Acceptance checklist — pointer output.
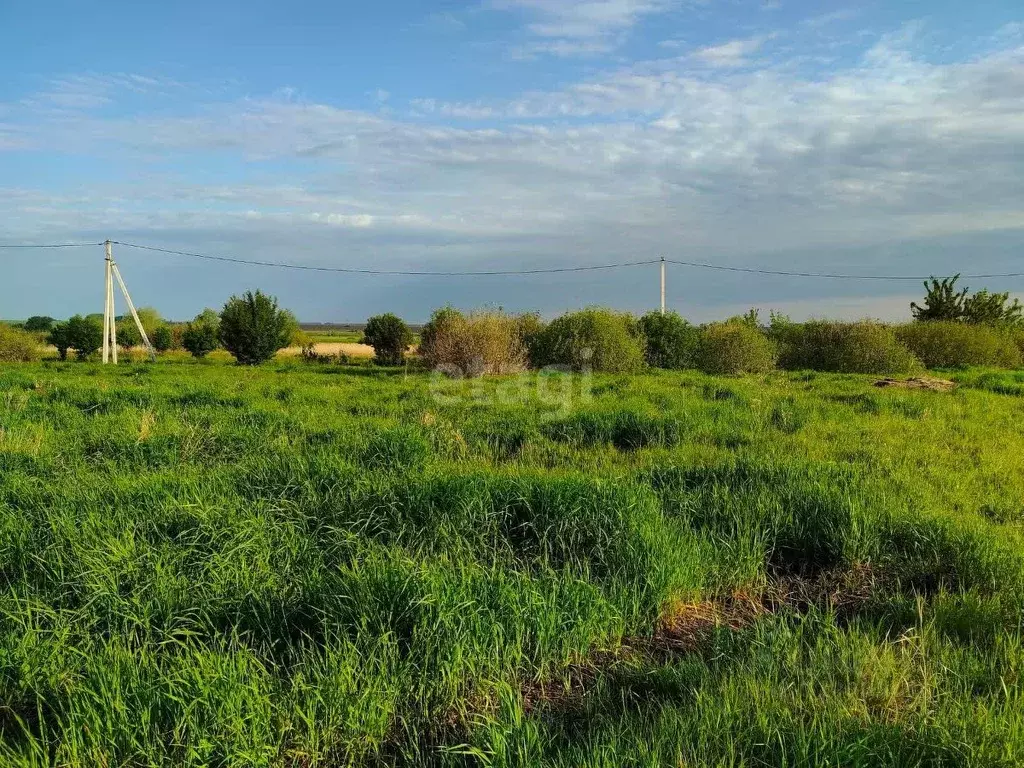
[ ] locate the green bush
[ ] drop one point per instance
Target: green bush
(163, 338)
(82, 334)
(670, 341)
(735, 347)
(39, 323)
(474, 344)
(389, 336)
(531, 330)
(128, 335)
(948, 344)
(861, 347)
(17, 346)
(253, 328)
(200, 337)
(595, 339)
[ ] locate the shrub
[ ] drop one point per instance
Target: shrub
(595, 338)
(17, 346)
(163, 338)
(861, 347)
(202, 335)
(670, 341)
(389, 336)
(82, 334)
(948, 344)
(531, 329)
(735, 347)
(253, 328)
(474, 344)
(128, 335)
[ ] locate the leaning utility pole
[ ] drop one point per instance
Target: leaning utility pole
(663, 285)
(109, 323)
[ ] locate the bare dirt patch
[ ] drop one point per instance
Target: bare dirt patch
(918, 382)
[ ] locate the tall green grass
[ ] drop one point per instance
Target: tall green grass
(203, 565)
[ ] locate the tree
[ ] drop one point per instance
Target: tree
(941, 302)
(201, 336)
(163, 338)
(38, 323)
(60, 338)
(670, 341)
(389, 336)
(128, 336)
(85, 335)
(993, 309)
(253, 328)
(150, 320)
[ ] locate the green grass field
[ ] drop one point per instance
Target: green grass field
(206, 565)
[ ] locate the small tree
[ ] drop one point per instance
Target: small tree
(128, 336)
(85, 335)
(993, 309)
(671, 342)
(202, 335)
(941, 302)
(162, 339)
(389, 336)
(39, 323)
(253, 328)
(60, 338)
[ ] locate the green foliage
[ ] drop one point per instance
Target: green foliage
(861, 347)
(39, 323)
(669, 340)
(17, 345)
(253, 328)
(733, 348)
(941, 302)
(531, 330)
(993, 309)
(150, 319)
(486, 342)
(593, 339)
(944, 303)
(128, 335)
(389, 336)
(163, 338)
(958, 345)
(202, 335)
(82, 334)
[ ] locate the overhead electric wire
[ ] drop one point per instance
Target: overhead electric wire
(509, 272)
(48, 245)
(356, 270)
(830, 275)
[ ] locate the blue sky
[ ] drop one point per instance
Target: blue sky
(867, 137)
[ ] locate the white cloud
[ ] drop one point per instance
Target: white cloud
(734, 53)
(579, 27)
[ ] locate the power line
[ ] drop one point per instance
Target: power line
(500, 272)
(354, 270)
(830, 275)
(49, 245)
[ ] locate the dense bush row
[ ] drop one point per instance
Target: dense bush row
(601, 340)
(253, 328)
